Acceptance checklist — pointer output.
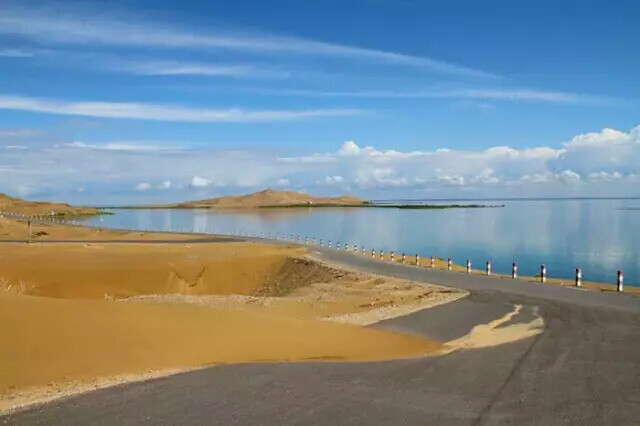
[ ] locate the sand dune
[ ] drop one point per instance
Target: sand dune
(267, 198)
(78, 315)
(17, 205)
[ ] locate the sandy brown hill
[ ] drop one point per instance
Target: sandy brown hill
(269, 198)
(17, 205)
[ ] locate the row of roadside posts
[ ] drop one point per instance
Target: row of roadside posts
(291, 237)
(514, 265)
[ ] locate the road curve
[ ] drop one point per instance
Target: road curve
(583, 369)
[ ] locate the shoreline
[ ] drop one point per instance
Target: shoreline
(308, 206)
(440, 262)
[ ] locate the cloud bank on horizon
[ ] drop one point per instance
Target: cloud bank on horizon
(102, 102)
(600, 163)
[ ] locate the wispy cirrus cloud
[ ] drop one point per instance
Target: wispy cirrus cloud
(177, 68)
(162, 112)
(16, 53)
(81, 27)
(119, 146)
(500, 94)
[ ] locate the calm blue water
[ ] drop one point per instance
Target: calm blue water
(600, 236)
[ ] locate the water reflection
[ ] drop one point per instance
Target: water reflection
(598, 235)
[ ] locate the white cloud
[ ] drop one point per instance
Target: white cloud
(606, 151)
(200, 182)
(604, 176)
(486, 176)
(115, 146)
(349, 148)
(176, 68)
(142, 186)
(607, 168)
(605, 137)
(496, 94)
(568, 176)
(333, 180)
(535, 178)
(161, 112)
(82, 26)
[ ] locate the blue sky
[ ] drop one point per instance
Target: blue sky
(155, 100)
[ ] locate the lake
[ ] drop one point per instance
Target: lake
(598, 235)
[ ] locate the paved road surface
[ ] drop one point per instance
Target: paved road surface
(584, 369)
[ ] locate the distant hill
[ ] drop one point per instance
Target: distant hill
(17, 205)
(267, 198)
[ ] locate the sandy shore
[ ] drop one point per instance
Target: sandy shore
(76, 316)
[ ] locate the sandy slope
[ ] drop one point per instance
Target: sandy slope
(18, 230)
(17, 205)
(66, 326)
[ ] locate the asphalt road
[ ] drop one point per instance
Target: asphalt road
(583, 369)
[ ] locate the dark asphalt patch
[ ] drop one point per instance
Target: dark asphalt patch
(451, 320)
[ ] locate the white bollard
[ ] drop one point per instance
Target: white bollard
(488, 267)
(468, 266)
(306, 240)
(329, 245)
(578, 277)
(514, 270)
(417, 259)
(404, 258)
(620, 281)
(392, 255)
(433, 262)
(381, 254)
(543, 273)
(373, 253)
(363, 251)
(355, 248)
(338, 245)
(449, 264)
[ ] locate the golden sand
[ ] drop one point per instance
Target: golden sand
(19, 230)
(17, 205)
(68, 321)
